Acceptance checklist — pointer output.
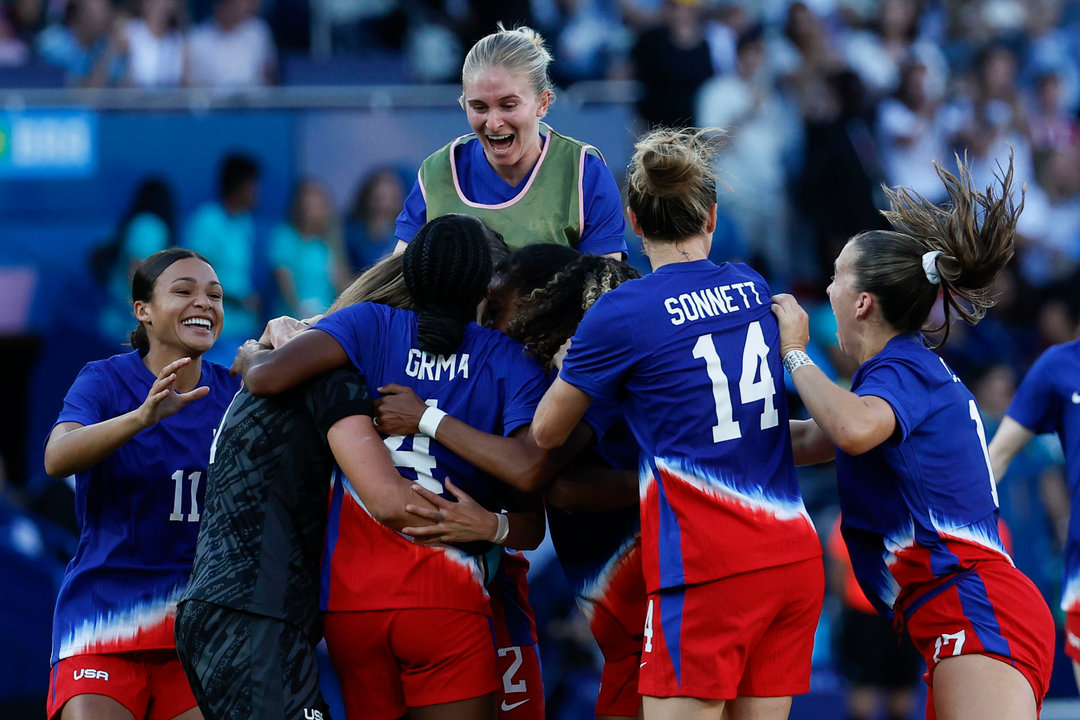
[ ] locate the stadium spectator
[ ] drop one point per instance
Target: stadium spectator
(912, 135)
(839, 189)
(763, 132)
(307, 268)
(148, 226)
(155, 44)
(879, 53)
(671, 61)
(232, 50)
(803, 58)
(369, 223)
(223, 231)
(90, 45)
(1053, 127)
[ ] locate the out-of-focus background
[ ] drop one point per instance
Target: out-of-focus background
(125, 126)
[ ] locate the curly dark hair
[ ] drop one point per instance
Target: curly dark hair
(549, 315)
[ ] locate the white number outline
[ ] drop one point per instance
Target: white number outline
(973, 411)
(957, 638)
(648, 633)
(509, 686)
(755, 363)
(177, 514)
(419, 459)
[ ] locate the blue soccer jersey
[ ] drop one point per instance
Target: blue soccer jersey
(1048, 400)
(923, 504)
(692, 349)
(138, 512)
(489, 383)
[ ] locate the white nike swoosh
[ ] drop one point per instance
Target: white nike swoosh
(643, 664)
(507, 708)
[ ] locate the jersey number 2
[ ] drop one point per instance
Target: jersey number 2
(755, 382)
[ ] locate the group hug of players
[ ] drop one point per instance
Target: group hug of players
(228, 527)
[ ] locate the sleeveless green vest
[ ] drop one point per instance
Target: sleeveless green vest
(549, 209)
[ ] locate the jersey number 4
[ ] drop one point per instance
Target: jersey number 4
(755, 382)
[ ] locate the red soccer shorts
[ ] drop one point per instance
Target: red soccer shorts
(750, 634)
(391, 660)
(1072, 636)
(617, 623)
(619, 688)
(521, 688)
(151, 684)
(993, 610)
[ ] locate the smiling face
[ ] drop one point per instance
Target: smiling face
(185, 311)
(504, 111)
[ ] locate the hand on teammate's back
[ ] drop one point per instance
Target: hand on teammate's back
(794, 323)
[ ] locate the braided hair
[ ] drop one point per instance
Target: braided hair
(550, 314)
(447, 267)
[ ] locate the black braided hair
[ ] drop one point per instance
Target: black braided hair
(447, 267)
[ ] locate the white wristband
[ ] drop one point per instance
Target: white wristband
(503, 530)
(429, 421)
(795, 359)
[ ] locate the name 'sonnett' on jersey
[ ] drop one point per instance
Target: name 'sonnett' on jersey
(425, 366)
(711, 302)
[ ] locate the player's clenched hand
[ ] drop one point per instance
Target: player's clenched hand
(162, 400)
(399, 410)
(461, 521)
(794, 323)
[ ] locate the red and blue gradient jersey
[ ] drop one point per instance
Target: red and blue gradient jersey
(489, 383)
(691, 350)
(1048, 400)
(138, 512)
(922, 505)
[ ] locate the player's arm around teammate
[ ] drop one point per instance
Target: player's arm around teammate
(681, 347)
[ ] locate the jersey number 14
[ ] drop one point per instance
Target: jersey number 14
(755, 382)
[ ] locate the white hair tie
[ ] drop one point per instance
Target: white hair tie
(929, 266)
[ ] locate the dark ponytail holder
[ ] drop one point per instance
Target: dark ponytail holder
(437, 332)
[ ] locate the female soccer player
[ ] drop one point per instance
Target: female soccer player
(731, 561)
(592, 506)
(384, 593)
(1048, 401)
(135, 431)
(530, 186)
(917, 493)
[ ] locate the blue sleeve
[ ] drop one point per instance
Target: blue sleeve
(87, 401)
(526, 385)
(601, 351)
(413, 213)
(904, 390)
(605, 225)
(1036, 405)
(355, 328)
